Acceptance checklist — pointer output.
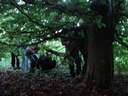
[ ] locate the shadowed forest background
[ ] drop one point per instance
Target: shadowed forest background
(63, 48)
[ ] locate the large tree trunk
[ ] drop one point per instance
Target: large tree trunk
(100, 53)
(100, 57)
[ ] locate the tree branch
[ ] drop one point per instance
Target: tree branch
(55, 52)
(30, 19)
(6, 44)
(75, 11)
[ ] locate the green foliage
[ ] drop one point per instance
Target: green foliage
(120, 58)
(5, 63)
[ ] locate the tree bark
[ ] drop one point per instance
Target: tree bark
(100, 54)
(100, 57)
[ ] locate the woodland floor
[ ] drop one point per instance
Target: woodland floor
(21, 84)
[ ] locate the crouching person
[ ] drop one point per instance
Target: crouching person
(46, 63)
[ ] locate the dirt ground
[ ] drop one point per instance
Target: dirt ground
(20, 84)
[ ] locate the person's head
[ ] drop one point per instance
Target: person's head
(35, 49)
(12, 53)
(29, 51)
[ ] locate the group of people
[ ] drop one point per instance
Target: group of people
(76, 51)
(31, 61)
